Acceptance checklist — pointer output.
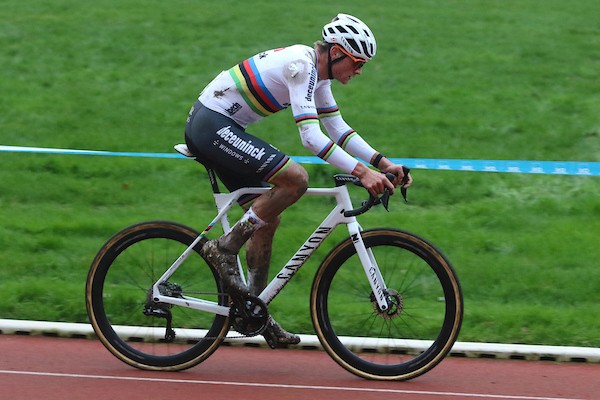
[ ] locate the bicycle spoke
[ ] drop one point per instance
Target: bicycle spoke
(344, 305)
(129, 322)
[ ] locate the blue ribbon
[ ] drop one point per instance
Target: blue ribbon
(581, 168)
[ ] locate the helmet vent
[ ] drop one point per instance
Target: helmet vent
(366, 48)
(354, 45)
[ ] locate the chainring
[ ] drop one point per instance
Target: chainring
(249, 318)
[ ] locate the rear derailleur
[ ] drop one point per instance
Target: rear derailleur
(163, 310)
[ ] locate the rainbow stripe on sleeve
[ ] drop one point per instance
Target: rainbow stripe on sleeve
(327, 151)
(252, 88)
(328, 112)
(306, 119)
(346, 137)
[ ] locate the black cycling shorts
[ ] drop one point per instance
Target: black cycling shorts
(239, 158)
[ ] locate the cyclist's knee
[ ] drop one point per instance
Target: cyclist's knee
(293, 178)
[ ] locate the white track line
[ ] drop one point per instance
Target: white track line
(282, 386)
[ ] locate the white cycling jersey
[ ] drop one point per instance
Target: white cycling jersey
(277, 79)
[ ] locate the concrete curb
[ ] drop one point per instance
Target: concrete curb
(311, 342)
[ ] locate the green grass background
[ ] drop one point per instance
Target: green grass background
(511, 79)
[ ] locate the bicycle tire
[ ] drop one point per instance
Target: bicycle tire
(117, 293)
(409, 339)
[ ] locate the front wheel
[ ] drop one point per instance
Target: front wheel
(137, 330)
(418, 329)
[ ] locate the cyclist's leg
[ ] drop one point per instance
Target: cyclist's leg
(258, 257)
(206, 138)
(212, 137)
(288, 188)
(258, 260)
(240, 160)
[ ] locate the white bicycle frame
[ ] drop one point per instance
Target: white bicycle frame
(224, 202)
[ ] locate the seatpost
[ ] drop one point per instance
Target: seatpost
(213, 180)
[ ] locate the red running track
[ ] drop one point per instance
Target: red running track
(38, 367)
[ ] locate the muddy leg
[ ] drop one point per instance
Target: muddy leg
(258, 257)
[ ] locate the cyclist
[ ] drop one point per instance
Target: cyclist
(297, 77)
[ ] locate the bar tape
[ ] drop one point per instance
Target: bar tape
(581, 168)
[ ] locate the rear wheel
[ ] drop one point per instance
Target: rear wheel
(417, 330)
(137, 330)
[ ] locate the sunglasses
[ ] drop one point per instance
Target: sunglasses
(358, 62)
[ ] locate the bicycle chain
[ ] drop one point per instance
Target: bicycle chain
(253, 311)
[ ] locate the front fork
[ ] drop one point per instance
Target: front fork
(371, 268)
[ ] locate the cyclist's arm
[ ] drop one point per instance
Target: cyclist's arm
(302, 84)
(338, 129)
(350, 140)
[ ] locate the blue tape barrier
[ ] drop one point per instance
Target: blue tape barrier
(581, 168)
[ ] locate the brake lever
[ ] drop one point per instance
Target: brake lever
(385, 199)
(403, 191)
(403, 182)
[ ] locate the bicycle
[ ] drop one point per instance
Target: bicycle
(156, 304)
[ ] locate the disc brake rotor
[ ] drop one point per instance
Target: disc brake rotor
(395, 304)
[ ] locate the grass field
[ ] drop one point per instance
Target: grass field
(514, 79)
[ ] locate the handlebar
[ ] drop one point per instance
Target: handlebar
(342, 179)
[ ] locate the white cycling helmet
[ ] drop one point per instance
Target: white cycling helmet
(353, 35)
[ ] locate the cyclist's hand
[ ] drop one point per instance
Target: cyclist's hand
(375, 182)
(396, 169)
